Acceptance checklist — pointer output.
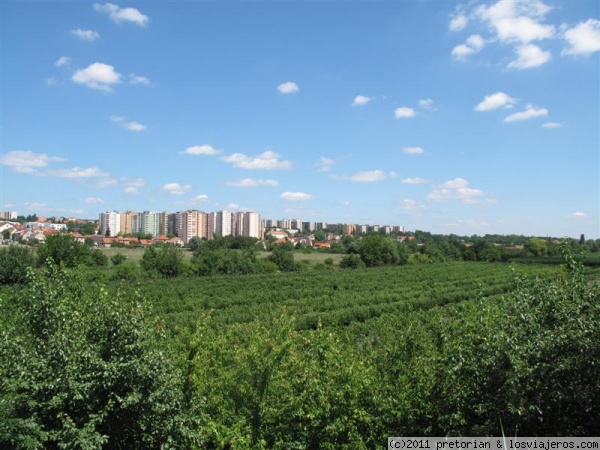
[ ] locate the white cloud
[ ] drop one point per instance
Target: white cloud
(495, 101)
(251, 182)
(325, 164)
(404, 112)
(583, 39)
(97, 76)
(455, 189)
(529, 113)
(86, 35)
(296, 196)
(517, 21)
(26, 161)
(204, 149)
(200, 198)
(134, 126)
(63, 61)
(579, 215)
(288, 87)
(76, 173)
(267, 161)
(132, 186)
(131, 126)
(529, 56)
(426, 103)
(176, 188)
(137, 79)
(131, 190)
(552, 125)
(119, 15)
(360, 100)
(51, 81)
(105, 182)
(413, 150)
(412, 204)
(473, 45)
(414, 180)
(368, 176)
(93, 200)
(458, 22)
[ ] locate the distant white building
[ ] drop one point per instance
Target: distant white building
(110, 221)
(8, 215)
(47, 225)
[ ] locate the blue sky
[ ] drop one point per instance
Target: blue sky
(451, 117)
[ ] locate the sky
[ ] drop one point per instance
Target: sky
(450, 117)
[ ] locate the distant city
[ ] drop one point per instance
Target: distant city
(194, 223)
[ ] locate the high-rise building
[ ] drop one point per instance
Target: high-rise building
(193, 224)
(149, 223)
(252, 225)
(110, 222)
(8, 215)
(222, 223)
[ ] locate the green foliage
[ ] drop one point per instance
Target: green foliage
(377, 250)
(63, 249)
(166, 261)
(283, 258)
(117, 259)
(14, 262)
(352, 261)
(536, 247)
(80, 368)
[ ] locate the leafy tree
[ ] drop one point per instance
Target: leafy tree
(14, 262)
(283, 258)
(352, 261)
(63, 249)
(6, 235)
(194, 243)
(167, 261)
(118, 259)
(82, 368)
(377, 250)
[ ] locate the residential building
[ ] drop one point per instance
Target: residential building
(222, 223)
(110, 222)
(252, 225)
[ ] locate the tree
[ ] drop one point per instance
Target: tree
(168, 261)
(84, 368)
(6, 235)
(377, 250)
(283, 258)
(63, 249)
(352, 261)
(118, 259)
(14, 262)
(536, 247)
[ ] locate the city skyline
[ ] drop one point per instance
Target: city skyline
(461, 117)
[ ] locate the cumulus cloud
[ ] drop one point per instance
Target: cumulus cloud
(583, 38)
(266, 161)
(86, 35)
(63, 61)
(517, 21)
(414, 180)
(137, 79)
(204, 149)
(413, 150)
(360, 100)
(128, 125)
(495, 101)
(97, 76)
(325, 164)
(26, 161)
(529, 113)
(296, 196)
(119, 15)
(366, 176)
(131, 190)
(200, 198)
(176, 188)
(458, 22)
(426, 103)
(252, 182)
(552, 125)
(288, 87)
(529, 56)
(93, 200)
(579, 215)
(455, 189)
(77, 173)
(131, 187)
(473, 45)
(404, 112)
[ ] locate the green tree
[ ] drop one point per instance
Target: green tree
(283, 258)
(377, 250)
(63, 249)
(352, 261)
(536, 247)
(82, 368)
(117, 259)
(14, 262)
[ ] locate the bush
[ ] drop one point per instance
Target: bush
(82, 368)
(14, 262)
(352, 261)
(118, 259)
